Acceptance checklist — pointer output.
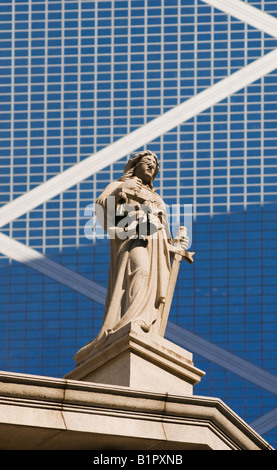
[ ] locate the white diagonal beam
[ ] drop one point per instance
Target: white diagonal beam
(175, 333)
(247, 14)
(221, 357)
(138, 138)
(35, 260)
(266, 422)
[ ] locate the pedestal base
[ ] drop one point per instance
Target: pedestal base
(129, 357)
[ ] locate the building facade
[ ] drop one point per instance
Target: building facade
(86, 84)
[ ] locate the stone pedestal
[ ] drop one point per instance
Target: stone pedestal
(132, 358)
(135, 391)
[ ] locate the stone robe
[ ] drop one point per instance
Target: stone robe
(139, 270)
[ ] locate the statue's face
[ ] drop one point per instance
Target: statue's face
(145, 169)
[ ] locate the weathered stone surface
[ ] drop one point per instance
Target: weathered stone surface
(48, 413)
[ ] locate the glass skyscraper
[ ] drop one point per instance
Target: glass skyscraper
(86, 84)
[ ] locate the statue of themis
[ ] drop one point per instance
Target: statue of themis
(144, 260)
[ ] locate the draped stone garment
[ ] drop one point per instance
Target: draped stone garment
(139, 271)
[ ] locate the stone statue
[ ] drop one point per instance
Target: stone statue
(141, 275)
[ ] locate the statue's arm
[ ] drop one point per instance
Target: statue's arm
(108, 204)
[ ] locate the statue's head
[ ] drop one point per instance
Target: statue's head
(144, 165)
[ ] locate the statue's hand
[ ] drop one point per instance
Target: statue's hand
(184, 243)
(181, 240)
(135, 184)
